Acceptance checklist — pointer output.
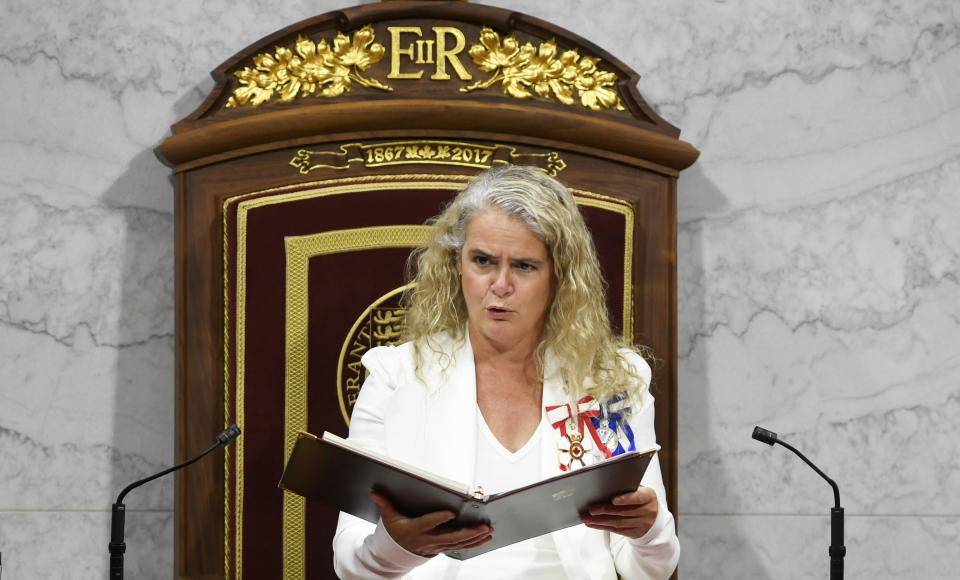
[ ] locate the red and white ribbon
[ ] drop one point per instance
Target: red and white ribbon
(587, 407)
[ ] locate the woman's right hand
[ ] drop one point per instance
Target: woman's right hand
(421, 536)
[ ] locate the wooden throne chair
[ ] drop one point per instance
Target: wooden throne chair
(302, 183)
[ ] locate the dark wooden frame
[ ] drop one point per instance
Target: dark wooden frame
(217, 153)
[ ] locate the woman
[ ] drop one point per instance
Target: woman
(508, 331)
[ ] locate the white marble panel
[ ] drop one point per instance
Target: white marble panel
(75, 477)
(763, 546)
(86, 366)
(108, 270)
(73, 545)
(835, 322)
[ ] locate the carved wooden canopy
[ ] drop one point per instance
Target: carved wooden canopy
(303, 181)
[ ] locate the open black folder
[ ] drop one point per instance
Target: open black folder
(341, 474)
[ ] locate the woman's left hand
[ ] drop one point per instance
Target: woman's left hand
(631, 514)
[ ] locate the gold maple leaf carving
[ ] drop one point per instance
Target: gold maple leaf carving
(315, 68)
(361, 52)
(318, 69)
(521, 69)
(595, 86)
(257, 85)
(490, 54)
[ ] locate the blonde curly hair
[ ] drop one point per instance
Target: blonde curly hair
(577, 328)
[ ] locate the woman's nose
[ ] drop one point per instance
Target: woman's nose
(502, 284)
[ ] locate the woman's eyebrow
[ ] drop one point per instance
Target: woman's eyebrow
(531, 261)
(472, 252)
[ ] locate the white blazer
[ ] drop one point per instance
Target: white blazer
(431, 423)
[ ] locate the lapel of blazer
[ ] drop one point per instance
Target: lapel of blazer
(554, 393)
(450, 417)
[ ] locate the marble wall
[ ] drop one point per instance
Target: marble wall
(819, 269)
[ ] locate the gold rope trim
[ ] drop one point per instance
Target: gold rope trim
(226, 388)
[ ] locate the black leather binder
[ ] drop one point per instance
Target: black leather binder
(333, 471)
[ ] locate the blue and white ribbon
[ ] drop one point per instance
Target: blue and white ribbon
(614, 416)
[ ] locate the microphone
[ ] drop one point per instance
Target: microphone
(837, 549)
(117, 545)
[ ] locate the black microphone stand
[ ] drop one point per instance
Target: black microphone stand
(837, 549)
(117, 545)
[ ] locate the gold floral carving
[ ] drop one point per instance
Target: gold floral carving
(521, 69)
(329, 70)
(311, 68)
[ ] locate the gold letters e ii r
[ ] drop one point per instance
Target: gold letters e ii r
(425, 54)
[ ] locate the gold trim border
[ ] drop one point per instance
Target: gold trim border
(244, 207)
(225, 213)
(613, 204)
(321, 189)
(299, 250)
